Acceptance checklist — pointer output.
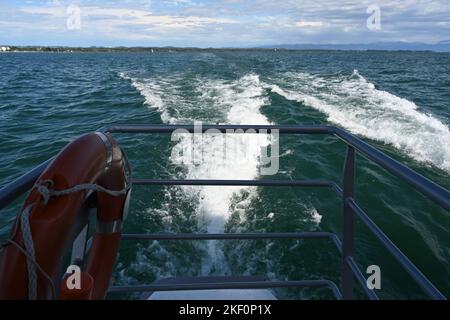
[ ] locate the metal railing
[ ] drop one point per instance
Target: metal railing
(350, 210)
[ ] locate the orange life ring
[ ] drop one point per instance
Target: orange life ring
(94, 158)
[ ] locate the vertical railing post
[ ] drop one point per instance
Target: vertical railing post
(347, 223)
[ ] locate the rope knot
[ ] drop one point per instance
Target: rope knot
(43, 187)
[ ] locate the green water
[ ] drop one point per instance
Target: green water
(397, 101)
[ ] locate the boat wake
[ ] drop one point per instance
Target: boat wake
(213, 101)
(357, 105)
(347, 100)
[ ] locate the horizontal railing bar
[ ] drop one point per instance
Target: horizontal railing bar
(236, 236)
(16, 188)
(229, 285)
(361, 279)
(412, 270)
(209, 182)
(226, 236)
(430, 189)
(161, 128)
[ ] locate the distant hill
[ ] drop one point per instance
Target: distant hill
(443, 46)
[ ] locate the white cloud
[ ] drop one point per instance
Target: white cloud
(115, 17)
(311, 24)
(227, 22)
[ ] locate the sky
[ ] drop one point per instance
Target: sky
(226, 23)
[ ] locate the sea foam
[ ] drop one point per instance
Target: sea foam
(234, 102)
(357, 105)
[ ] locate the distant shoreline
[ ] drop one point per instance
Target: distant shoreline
(443, 46)
(51, 49)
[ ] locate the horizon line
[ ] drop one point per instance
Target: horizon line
(271, 46)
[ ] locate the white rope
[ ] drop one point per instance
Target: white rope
(43, 188)
(29, 248)
(33, 260)
(29, 254)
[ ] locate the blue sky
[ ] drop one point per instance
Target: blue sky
(216, 23)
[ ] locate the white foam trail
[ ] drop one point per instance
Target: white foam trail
(358, 106)
(151, 91)
(236, 102)
(242, 99)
